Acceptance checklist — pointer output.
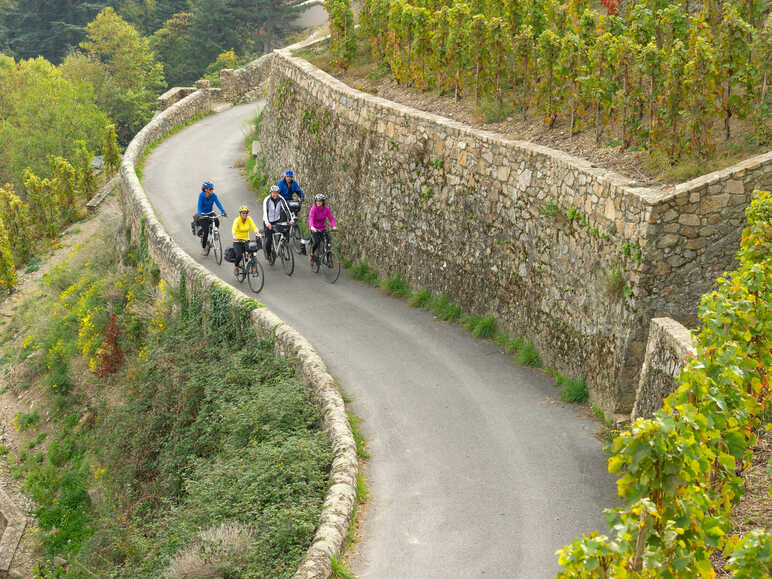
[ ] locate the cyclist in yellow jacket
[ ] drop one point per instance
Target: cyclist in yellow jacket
(241, 226)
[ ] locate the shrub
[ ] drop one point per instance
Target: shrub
(419, 299)
(395, 286)
(527, 355)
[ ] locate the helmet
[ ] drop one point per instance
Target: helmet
(319, 197)
(274, 188)
(289, 173)
(243, 208)
(207, 185)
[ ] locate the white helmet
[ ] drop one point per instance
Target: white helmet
(274, 188)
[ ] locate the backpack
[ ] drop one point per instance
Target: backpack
(230, 255)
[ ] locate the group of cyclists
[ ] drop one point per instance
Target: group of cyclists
(276, 209)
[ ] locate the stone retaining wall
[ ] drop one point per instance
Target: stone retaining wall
(172, 261)
(668, 350)
(574, 257)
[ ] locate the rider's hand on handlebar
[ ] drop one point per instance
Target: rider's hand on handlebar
(223, 214)
(269, 226)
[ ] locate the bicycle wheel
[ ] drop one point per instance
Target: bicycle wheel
(331, 266)
(217, 246)
(295, 238)
(255, 275)
(287, 257)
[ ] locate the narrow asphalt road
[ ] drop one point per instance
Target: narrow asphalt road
(477, 469)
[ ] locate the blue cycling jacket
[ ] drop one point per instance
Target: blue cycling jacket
(287, 191)
(205, 205)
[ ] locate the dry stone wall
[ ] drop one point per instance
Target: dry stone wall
(569, 255)
(143, 225)
(668, 351)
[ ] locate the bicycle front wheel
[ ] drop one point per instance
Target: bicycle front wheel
(331, 266)
(287, 258)
(255, 275)
(217, 246)
(295, 238)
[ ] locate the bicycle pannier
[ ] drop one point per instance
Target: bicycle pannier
(294, 206)
(254, 245)
(230, 255)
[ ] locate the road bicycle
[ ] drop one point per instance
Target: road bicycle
(296, 230)
(213, 241)
(250, 268)
(280, 247)
(326, 259)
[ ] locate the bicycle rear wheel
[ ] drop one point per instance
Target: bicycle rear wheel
(255, 275)
(331, 266)
(295, 238)
(287, 257)
(217, 246)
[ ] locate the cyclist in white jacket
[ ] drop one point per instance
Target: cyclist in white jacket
(275, 210)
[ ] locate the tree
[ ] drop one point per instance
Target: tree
(174, 45)
(131, 65)
(43, 112)
(110, 150)
(7, 267)
(15, 213)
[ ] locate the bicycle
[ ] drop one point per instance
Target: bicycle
(326, 259)
(213, 241)
(280, 246)
(250, 268)
(296, 231)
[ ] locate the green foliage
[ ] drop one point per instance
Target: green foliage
(26, 420)
(227, 59)
(527, 355)
(7, 266)
(481, 327)
(210, 427)
(663, 73)
(110, 150)
(359, 439)
(549, 209)
(43, 114)
(343, 37)
(445, 309)
(572, 390)
(420, 298)
(679, 470)
(395, 286)
(360, 271)
(614, 280)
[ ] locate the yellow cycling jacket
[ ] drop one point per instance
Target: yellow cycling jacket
(241, 228)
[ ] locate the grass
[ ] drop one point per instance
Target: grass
(527, 355)
(419, 299)
(574, 391)
(359, 439)
(32, 265)
(395, 286)
(481, 327)
(360, 271)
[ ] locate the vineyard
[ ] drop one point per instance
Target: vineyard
(654, 75)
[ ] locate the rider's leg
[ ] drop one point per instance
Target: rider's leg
(205, 224)
(238, 249)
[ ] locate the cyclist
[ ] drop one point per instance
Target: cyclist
(317, 222)
(241, 226)
(206, 200)
(288, 186)
(275, 210)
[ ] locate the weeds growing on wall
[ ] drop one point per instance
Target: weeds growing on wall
(196, 440)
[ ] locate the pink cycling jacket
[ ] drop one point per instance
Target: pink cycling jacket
(318, 215)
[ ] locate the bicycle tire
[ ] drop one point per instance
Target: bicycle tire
(296, 237)
(255, 275)
(331, 266)
(208, 246)
(217, 246)
(287, 257)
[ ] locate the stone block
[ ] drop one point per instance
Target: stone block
(689, 219)
(715, 203)
(735, 187)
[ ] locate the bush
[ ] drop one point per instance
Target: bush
(527, 355)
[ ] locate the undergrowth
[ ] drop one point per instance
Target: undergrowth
(196, 439)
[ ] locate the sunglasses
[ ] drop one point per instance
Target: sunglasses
(244, 212)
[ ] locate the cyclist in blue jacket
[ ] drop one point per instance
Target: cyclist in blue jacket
(288, 186)
(206, 200)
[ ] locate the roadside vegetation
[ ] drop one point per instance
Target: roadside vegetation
(169, 439)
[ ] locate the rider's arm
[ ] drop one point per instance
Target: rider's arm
(296, 189)
(217, 202)
(331, 218)
(290, 214)
(253, 226)
(265, 210)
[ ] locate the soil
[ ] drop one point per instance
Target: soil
(15, 400)
(605, 151)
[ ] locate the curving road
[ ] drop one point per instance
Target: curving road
(477, 469)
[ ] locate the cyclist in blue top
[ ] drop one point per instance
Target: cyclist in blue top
(288, 186)
(206, 200)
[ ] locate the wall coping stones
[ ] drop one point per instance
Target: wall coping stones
(340, 500)
(13, 522)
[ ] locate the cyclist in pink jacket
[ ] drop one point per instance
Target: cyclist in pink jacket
(317, 222)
